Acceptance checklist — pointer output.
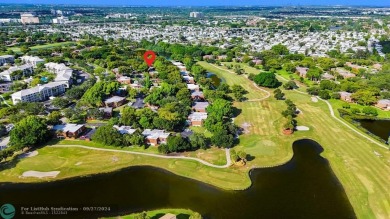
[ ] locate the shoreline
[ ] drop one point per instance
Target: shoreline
(247, 174)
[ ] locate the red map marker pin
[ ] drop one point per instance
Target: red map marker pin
(149, 57)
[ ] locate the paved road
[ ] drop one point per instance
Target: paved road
(227, 151)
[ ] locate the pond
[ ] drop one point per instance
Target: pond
(379, 128)
(305, 187)
(215, 79)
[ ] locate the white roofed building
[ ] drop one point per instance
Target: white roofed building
(26, 69)
(39, 93)
(63, 72)
(32, 60)
(155, 137)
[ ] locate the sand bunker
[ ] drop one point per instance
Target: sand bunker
(302, 128)
(314, 99)
(38, 174)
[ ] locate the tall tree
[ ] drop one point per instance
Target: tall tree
(29, 132)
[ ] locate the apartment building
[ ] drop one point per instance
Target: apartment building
(27, 70)
(39, 93)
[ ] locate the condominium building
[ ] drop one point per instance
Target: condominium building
(27, 70)
(39, 93)
(32, 60)
(63, 72)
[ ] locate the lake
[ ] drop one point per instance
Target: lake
(215, 79)
(304, 187)
(379, 128)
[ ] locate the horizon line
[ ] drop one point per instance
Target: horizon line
(221, 5)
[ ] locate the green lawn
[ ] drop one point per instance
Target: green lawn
(156, 214)
(72, 162)
(232, 78)
(363, 174)
(46, 46)
(338, 104)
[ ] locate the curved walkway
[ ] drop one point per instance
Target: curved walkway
(227, 152)
(344, 123)
(329, 106)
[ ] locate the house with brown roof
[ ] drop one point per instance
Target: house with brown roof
(301, 71)
(344, 73)
(197, 95)
(207, 57)
(346, 96)
(124, 80)
(327, 76)
(197, 118)
(69, 130)
(114, 101)
(200, 106)
(155, 137)
(383, 104)
(107, 112)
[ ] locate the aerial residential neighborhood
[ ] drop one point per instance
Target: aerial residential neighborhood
(196, 111)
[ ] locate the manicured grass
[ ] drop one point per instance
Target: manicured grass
(72, 162)
(155, 214)
(46, 46)
(212, 155)
(232, 78)
(201, 130)
(338, 104)
(150, 149)
(363, 174)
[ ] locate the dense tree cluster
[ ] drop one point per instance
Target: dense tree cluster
(266, 79)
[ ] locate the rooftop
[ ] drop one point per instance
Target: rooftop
(68, 127)
(155, 133)
(197, 116)
(200, 105)
(114, 99)
(125, 129)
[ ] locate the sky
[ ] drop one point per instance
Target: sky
(206, 2)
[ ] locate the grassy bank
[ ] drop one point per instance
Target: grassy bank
(362, 167)
(155, 214)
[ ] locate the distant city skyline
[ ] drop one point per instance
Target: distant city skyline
(206, 2)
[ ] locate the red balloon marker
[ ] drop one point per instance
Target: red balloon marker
(149, 57)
